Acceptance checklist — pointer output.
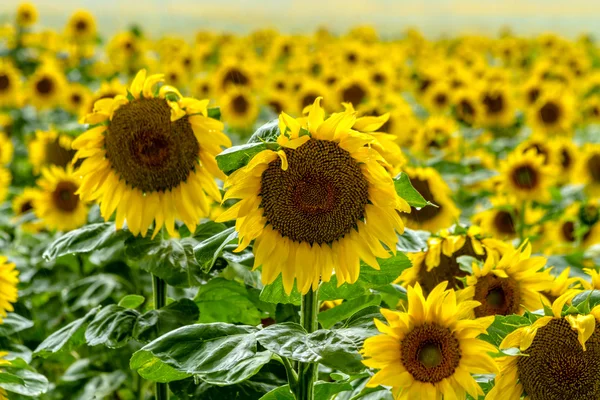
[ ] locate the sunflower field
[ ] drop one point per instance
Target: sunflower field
(268, 216)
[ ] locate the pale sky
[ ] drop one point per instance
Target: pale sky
(433, 17)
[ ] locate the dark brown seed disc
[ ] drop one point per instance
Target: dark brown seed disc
(565, 159)
(234, 77)
(430, 353)
(25, 207)
(240, 104)
(447, 270)
(45, 86)
(593, 165)
(4, 82)
(149, 151)
(64, 196)
(557, 368)
(504, 222)
(525, 177)
(354, 94)
(425, 213)
(58, 155)
(308, 99)
(550, 113)
(319, 198)
(568, 231)
(494, 103)
(498, 296)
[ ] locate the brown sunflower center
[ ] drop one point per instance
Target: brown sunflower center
(550, 113)
(593, 165)
(308, 99)
(466, 109)
(430, 353)
(319, 198)
(354, 94)
(565, 159)
(149, 151)
(235, 77)
(240, 104)
(379, 78)
(76, 99)
(533, 94)
(276, 106)
(568, 231)
(441, 99)
(525, 177)
(4, 82)
(26, 207)
(57, 155)
(64, 196)
(504, 222)
(498, 296)
(45, 86)
(81, 26)
(557, 368)
(494, 103)
(425, 213)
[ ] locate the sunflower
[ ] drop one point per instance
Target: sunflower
(175, 74)
(27, 15)
(432, 187)
(588, 168)
(8, 287)
(322, 202)
(553, 112)
(77, 98)
(531, 91)
(57, 204)
(277, 102)
(569, 233)
(438, 97)
(107, 90)
(559, 358)
(467, 108)
(50, 148)
(439, 263)
(438, 134)
(430, 351)
(10, 84)
(5, 179)
(6, 149)
(81, 27)
(233, 73)
(309, 91)
(24, 202)
(355, 88)
(202, 87)
(525, 176)
(46, 87)
(591, 110)
(539, 145)
(561, 284)
(498, 106)
(509, 284)
(151, 157)
(239, 107)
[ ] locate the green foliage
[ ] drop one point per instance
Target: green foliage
(112, 326)
(84, 240)
(502, 326)
(236, 157)
(406, 190)
(222, 300)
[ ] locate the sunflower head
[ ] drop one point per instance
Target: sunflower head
(81, 27)
(323, 195)
(588, 168)
(240, 107)
(8, 286)
(10, 84)
(50, 148)
(525, 176)
(430, 351)
(27, 15)
(46, 87)
(150, 156)
(5, 179)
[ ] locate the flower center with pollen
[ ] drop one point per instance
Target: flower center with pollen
(64, 196)
(550, 113)
(497, 296)
(149, 151)
(557, 368)
(319, 198)
(4, 82)
(45, 86)
(430, 353)
(425, 213)
(525, 177)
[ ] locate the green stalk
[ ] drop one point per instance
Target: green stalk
(307, 372)
(159, 289)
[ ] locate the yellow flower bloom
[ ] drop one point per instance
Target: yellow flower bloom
(27, 15)
(50, 148)
(525, 176)
(8, 287)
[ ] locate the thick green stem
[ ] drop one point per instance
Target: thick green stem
(307, 372)
(159, 289)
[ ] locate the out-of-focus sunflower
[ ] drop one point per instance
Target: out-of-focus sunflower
(277, 102)
(539, 145)
(569, 233)
(107, 90)
(531, 92)
(561, 284)
(430, 351)
(151, 157)
(438, 97)
(439, 263)
(27, 15)
(10, 84)
(81, 27)
(467, 108)
(510, 284)
(77, 99)
(564, 154)
(175, 74)
(57, 204)
(525, 176)
(323, 202)
(46, 87)
(498, 106)
(553, 113)
(125, 51)
(439, 134)
(355, 88)
(559, 358)
(50, 148)
(8, 287)
(202, 87)
(309, 91)
(432, 187)
(233, 73)
(239, 107)
(23, 202)
(591, 109)
(5, 179)
(6, 149)
(588, 168)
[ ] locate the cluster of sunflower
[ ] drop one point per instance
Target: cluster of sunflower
(498, 137)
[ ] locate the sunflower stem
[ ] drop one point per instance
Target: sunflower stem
(159, 290)
(307, 372)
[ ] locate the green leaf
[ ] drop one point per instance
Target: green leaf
(112, 327)
(323, 391)
(84, 240)
(5, 377)
(214, 113)
(191, 389)
(338, 313)
(14, 323)
(222, 300)
(584, 301)
(217, 353)
(208, 229)
(266, 133)
(91, 291)
(236, 157)
(132, 301)
(66, 338)
(103, 385)
(274, 293)
(406, 190)
(465, 263)
(361, 325)
(207, 251)
(154, 323)
(34, 384)
(502, 326)
(412, 241)
(172, 259)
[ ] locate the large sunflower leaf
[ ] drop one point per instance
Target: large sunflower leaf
(154, 323)
(14, 323)
(112, 327)
(236, 157)
(222, 300)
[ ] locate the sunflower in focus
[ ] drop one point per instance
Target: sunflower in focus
(27, 15)
(46, 87)
(321, 203)
(588, 168)
(429, 183)
(559, 358)
(56, 202)
(8, 287)
(525, 176)
(430, 351)
(239, 107)
(50, 148)
(81, 27)
(509, 284)
(10, 84)
(151, 157)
